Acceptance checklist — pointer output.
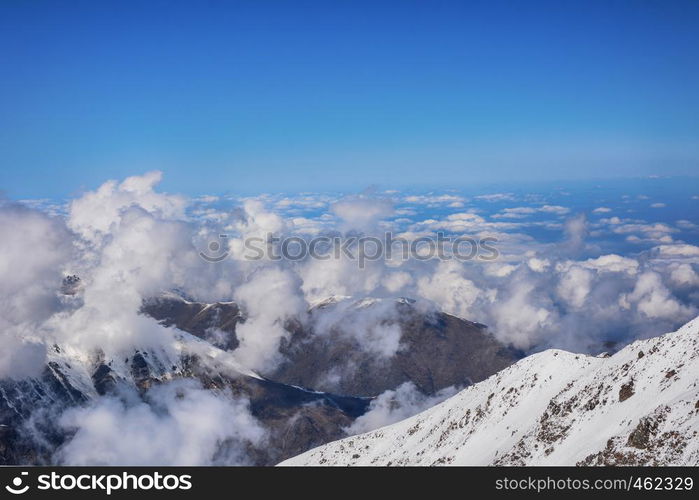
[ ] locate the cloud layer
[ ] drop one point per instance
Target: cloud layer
(127, 241)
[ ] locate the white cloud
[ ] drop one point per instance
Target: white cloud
(521, 212)
(653, 299)
(396, 281)
(538, 265)
(613, 263)
(496, 197)
(395, 405)
(677, 251)
(35, 250)
(576, 230)
(522, 317)
(450, 289)
(92, 215)
(684, 275)
(442, 199)
(575, 285)
(538, 294)
(177, 423)
(361, 212)
(269, 297)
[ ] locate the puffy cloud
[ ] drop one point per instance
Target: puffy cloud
(450, 200)
(254, 221)
(523, 314)
(144, 253)
(575, 285)
(653, 299)
(21, 358)
(35, 251)
(325, 278)
(303, 202)
(538, 265)
(269, 298)
(499, 270)
(676, 251)
(396, 281)
(684, 275)
(178, 423)
(92, 215)
(496, 197)
(554, 209)
(576, 230)
(361, 213)
(450, 290)
(371, 323)
(657, 231)
(613, 263)
(128, 242)
(395, 405)
(521, 212)
(126, 245)
(139, 242)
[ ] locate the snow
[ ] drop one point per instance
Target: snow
(553, 408)
(212, 356)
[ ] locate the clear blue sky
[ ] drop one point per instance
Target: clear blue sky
(294, 95)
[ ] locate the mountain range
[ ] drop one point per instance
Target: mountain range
(296, 403)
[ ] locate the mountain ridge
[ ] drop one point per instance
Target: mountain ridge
(637, 407)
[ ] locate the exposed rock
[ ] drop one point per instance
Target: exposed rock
(641, 436)
(626, 391)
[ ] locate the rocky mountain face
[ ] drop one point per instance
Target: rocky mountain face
(214, 323)
(436, 351)
(328, 351)
(637, 407)
(295, 418)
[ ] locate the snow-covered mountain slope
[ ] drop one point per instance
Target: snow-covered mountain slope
(637, 407)
(294, 418)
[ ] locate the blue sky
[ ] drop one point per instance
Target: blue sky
(270, 96)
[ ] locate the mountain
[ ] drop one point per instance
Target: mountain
(435, 350)
(293, 403)
(296, 419)
(637, 407)
(341, 346)
(214, 322)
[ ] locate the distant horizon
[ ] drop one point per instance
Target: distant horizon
(481, 187)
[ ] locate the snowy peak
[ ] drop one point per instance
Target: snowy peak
(637, 407)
